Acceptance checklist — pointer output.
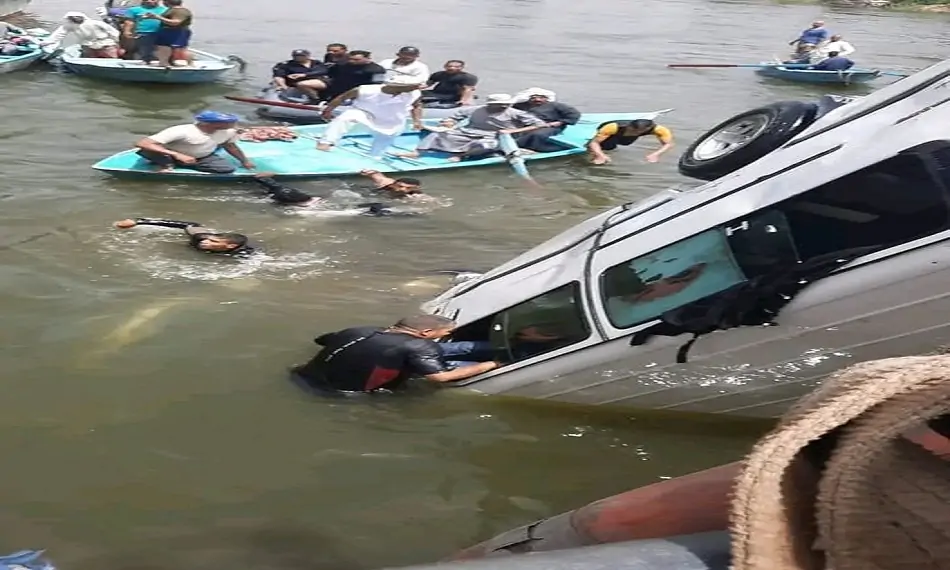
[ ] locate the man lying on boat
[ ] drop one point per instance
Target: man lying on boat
(96, 38)
(453, 86)
(478, 137)
(199, 238)
(305, 74)
(624, 133)
(384, 186)
(195, 146)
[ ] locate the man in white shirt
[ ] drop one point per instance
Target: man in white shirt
(836, 43)
(381, 108)
(97, 38)
(406, 68)
(195, 146)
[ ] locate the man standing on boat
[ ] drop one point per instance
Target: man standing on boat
(195, 146)
(138, 32)
(381, 108)
(815, 35)
(174, 34)
(97, 39)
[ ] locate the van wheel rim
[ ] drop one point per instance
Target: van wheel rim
(732, 137)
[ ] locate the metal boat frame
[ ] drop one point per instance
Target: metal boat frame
(888, 303)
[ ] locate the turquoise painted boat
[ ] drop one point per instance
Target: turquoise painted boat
(11, 63)
(207, 68)
(852, 76)
(301, 159)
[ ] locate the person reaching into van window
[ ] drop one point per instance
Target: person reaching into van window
(624, 133)
(369, 359)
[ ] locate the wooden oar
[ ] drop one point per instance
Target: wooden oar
(723, 65)
(288, 104)
(514, 157)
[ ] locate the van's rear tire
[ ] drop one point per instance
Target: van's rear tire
(745, 138)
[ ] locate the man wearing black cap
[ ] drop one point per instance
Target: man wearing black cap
(302, 72)
(406, 68)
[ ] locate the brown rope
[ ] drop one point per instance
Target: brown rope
(835, 486)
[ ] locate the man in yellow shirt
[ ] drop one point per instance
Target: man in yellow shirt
(623, 133)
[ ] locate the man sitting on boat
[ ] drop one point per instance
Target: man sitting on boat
(837, 44)
(406, 67)
(336, 53)
(623, 133)
(359, 69)
(542, 104)
(381, 108)
(835, 62)
(478, 137)
(195, 146)
(303, 73)
(97, 39)
(139, 32)
(453, 85)
(200, 238)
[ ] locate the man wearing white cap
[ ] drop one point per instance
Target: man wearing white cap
(97, 38)
(383, 109)
(479, 136)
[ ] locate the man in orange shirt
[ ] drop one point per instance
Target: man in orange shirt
(624, 133)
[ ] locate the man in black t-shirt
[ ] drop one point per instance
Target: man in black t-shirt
(359, 69)
(366, 359)
(200, 238)
(452, 85)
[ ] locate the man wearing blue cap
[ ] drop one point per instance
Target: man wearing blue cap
(195, 146)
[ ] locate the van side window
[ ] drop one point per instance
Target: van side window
(640, 290)
(539, 325)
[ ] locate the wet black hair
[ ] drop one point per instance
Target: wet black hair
(239, 239)
(425, 322)
(412, 181)
(642, 124)
(361, 52)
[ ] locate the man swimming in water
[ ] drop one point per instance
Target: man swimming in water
(200, 238)
(388, 187)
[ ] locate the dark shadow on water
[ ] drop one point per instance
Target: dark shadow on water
(271, 546)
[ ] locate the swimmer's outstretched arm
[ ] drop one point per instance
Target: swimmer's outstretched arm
(191, 228)
(378, 178)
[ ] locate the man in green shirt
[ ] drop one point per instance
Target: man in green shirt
(138, 31)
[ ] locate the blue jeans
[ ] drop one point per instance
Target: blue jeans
(145, 46)
(477, 350)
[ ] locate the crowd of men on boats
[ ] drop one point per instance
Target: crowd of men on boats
(821, 50)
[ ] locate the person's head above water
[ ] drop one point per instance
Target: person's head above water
(405, 186)
(425, 326)
(211, 121)
(221, 243)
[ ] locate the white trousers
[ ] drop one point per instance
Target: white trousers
(345, 121)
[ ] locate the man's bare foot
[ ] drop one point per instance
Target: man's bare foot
(527, 151)
(411, 154)
(165, 167)
(264, 175)
(454, 159)
(325, 147)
